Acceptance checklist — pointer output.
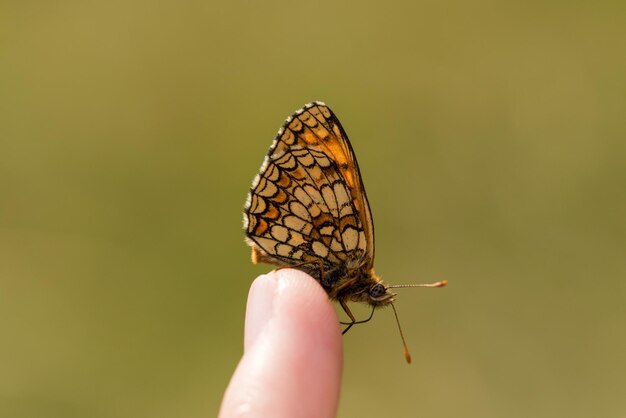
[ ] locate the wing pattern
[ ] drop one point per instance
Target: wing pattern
(307, 204)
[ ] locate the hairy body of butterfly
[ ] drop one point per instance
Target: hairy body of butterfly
(307, 209)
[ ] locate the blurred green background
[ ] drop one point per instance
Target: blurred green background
(491, 138)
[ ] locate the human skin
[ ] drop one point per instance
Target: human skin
(292, 361)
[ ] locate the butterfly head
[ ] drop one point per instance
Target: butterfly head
(379, 295)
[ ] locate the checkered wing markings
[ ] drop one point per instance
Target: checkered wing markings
(322, 127)
(301, 209)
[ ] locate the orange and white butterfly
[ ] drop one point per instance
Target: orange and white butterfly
(307, 209)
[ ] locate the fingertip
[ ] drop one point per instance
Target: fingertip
(289, 293)
(293, 353)
(301, 295)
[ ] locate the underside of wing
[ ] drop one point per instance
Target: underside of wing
(308, 204)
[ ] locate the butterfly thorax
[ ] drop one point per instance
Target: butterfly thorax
(359, 285)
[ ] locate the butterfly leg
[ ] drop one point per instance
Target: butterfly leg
(354, 321)
(349, 313)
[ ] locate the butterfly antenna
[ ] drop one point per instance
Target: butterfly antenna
(407, 355)
(442, 283)
(436, 284)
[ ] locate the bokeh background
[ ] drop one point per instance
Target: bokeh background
(491, 138)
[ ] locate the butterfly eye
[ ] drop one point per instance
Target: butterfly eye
(377, 290)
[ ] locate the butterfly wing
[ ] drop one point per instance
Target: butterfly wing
(308, 204)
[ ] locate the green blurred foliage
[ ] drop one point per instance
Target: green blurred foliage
(491, 138)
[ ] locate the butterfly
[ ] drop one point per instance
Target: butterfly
(307, 209)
